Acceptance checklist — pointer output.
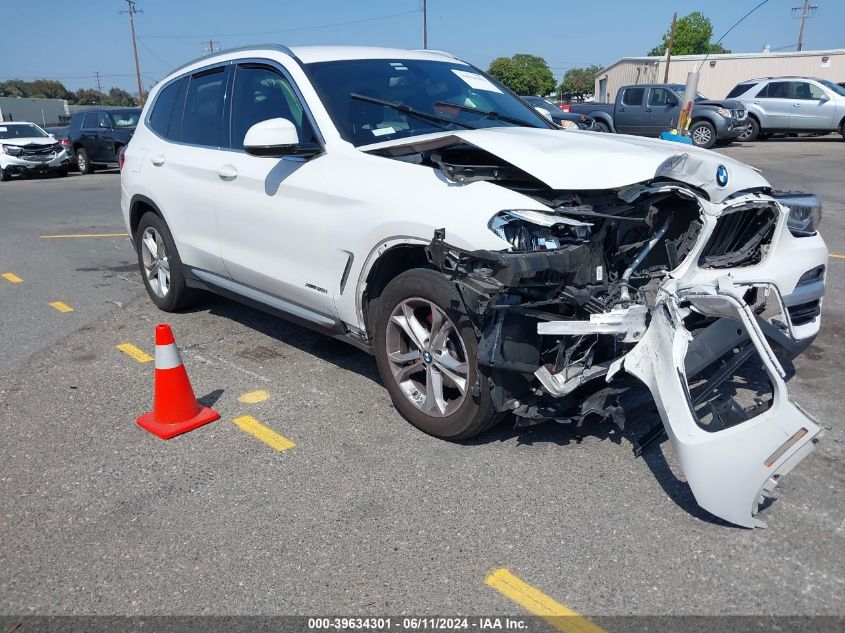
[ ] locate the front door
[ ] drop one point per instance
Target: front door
(662, 110)
(810, 111)
(274, 214)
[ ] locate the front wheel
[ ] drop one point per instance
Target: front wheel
(703, 134)
(751, 132)
(426, 350)
(601, 126)
(5, 176)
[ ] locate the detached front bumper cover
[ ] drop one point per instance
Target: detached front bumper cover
(733, 470)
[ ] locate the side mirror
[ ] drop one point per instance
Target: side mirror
(824, 98)
(545, 113)
(276, 138)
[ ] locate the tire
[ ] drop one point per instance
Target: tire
(62, 173)
(842, 129)
(752, 131)
(163, 277)
(82, 162)
(5, 176)
(601, 126)
(764, 136)
(703, 134)
(408, 310)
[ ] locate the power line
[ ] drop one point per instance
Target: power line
(302, 28)
(154, 54)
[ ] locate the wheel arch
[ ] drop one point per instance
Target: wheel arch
(138, 206)
(387, 260)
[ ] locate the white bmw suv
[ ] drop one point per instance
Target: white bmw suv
(494, 264)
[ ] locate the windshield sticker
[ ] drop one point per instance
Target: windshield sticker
(398, 66)
(474, 80)
(4, 129)
(383, 131)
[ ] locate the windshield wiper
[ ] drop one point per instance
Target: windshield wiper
(489, 113)
(401, 107)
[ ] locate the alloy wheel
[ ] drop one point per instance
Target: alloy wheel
(427, 357)
(701, 135)
(156, 264)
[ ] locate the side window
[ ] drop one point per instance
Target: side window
(202, 122)
(103, 121)
(778, 90)
(763, 92)
(633, 96)
(807, 91)
(90, 121)
(163, 108)
(660, 97)
(261, 93)
(738, 90)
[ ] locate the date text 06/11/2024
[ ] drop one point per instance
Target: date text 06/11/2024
(418, 623)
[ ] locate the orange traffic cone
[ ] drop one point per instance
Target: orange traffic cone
(175, 408)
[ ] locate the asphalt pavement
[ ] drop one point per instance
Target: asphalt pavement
(363, 514)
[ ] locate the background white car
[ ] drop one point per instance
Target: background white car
(26, 149)
(494, 264)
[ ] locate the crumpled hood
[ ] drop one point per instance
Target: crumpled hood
(34, 140)
(577, 160)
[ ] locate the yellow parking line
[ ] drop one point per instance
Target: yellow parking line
(51, 237)
(253, 397)
(835, 256)
(261, 432)
(559, 616)
(140, 355)
(11, 277)
(61, 307)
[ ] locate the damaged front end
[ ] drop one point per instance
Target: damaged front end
(612, 302)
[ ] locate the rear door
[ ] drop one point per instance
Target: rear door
(775, 103)
(89, 135)
(662, 110)
(809, 111)
(188, 144)
(630, 116)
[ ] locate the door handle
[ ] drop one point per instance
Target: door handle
(227, 172)
(157, 160)
(796, 105)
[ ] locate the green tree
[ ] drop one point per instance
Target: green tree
(118, 97)
(692, 37)
(524, 74)
(579, 82)
(40, 89)
(89, 96)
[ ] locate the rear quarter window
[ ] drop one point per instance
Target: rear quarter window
(163, 109)
(738, 90)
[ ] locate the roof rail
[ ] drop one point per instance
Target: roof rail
(238, 49)
(434, 50)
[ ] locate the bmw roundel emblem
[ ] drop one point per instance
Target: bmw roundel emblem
(722, 176)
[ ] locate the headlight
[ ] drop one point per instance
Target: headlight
(528, 231)
(568, 125)
(58, 147)
(724, 112)
(12, 150)
(805, 212)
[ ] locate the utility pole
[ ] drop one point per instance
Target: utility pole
(211, 48)
(806, 11)
(132, 11)
(425, 24)
(99, 89)
(669, 48)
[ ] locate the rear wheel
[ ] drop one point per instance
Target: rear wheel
(703, 134)
(842, 129)
(82, 161)
(752, 130)
(426, 352)
(161, 267)
(601, 126)
(5, 175)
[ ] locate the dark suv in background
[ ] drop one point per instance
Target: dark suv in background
(96, 136)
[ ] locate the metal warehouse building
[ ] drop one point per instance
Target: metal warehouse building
(720, 72)
(44, 112)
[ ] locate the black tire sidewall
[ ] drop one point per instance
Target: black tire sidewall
(179, 295)
(475, 413)
(755, 130)
(88, 166)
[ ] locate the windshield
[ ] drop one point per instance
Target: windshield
(125, 118)
(539, 102)
(444, 95)
(832, 86)
(698, 95)
(21, 130)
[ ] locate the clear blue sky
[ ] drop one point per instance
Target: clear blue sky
(70, 40)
